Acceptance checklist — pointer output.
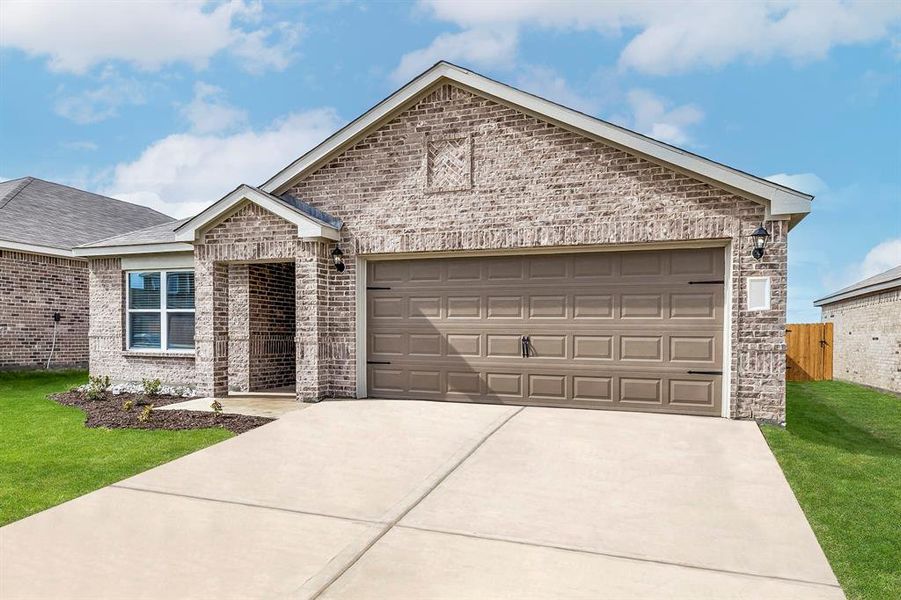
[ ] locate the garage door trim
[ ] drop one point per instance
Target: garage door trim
(361, 270)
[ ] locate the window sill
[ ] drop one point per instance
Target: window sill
(158, 354)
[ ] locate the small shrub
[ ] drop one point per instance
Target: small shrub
(97, 387)
(152, 387)
(146, 414)
(128, 405)
(216, 406)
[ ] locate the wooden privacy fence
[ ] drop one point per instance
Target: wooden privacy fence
(809, 351)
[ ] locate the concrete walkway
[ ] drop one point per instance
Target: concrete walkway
(269, 406)
(382, 499)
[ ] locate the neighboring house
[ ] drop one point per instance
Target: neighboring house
(867, 330)
(40, 223)
(498, 248)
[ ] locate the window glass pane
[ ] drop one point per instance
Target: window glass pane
(145, 330)
(181, 330)
(180, 290)
(144, 290)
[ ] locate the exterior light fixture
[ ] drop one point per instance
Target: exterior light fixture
(760, 237)
(338, 259)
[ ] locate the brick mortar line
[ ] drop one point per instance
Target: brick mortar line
(613, 555)
(393, 523)
(248, 504)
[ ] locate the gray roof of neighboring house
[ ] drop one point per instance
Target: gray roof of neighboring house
(168, 232)
(877, 283)
(43, 213)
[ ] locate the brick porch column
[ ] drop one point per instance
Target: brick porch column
(211, 327)
(238, 328)
(311, 272)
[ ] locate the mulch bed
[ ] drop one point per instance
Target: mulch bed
(109, 413)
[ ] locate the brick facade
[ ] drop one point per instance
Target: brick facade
(106, 335)
(498, 179)
(867, 339)
(272, 329)
(32, 288)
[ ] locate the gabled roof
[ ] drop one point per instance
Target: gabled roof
(886, 280)
(781, 202)
(49, 218)
(178, 236)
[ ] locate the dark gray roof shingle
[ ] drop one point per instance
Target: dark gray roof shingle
(168, 232)
(43, 213)
(158, 234)
(877, 283)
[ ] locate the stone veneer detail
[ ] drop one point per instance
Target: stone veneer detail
(867, 339)
(533, 184)
(32, 288)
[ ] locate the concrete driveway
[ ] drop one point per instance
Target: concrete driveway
(385, 499)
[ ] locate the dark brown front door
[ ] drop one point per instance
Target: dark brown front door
(617, 330)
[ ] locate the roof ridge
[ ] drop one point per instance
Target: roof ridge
(101, 196)
(15, 192)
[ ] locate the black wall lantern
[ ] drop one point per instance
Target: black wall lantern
(338, 259)
(760, 237)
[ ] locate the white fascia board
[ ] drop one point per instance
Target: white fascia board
(37, 249)
(160, 248)
(306, 227)
(172, 260)
(781, 201)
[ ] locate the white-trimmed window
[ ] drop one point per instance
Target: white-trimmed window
(758, 293)
(160, 307)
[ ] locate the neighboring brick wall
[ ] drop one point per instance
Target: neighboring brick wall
(32, 288)
(271, 354)
(535, 184)
(107, 334)
(867, 339)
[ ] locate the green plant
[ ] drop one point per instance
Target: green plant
(152, 387)
(146, 414)
(216, 406)
(128, 405)
(97, 387)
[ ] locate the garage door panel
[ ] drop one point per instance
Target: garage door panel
(547, 307)
(592, 306)
(593, 347)
(464, 344)
(504, 307)
(593, 389)
(641, 347)
(609, 330)
(692, 392)
(642, 390)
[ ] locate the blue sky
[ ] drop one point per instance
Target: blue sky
(173, 104)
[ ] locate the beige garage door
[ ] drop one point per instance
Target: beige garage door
(615, 330)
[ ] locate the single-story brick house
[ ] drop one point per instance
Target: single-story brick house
(464, 240)
(40, 223)
(866, 334)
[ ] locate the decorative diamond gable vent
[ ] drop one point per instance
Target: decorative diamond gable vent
(448, 163)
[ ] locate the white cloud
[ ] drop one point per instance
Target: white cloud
(477, 47)
(809, 183)
(654, 116)
(209, 112)
(547, 83)
(882, 257)
(76, 36)
(680, 36)
(183, 173)
(103, 102)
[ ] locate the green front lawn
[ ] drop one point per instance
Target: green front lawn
(48, 456)
(841, 453)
